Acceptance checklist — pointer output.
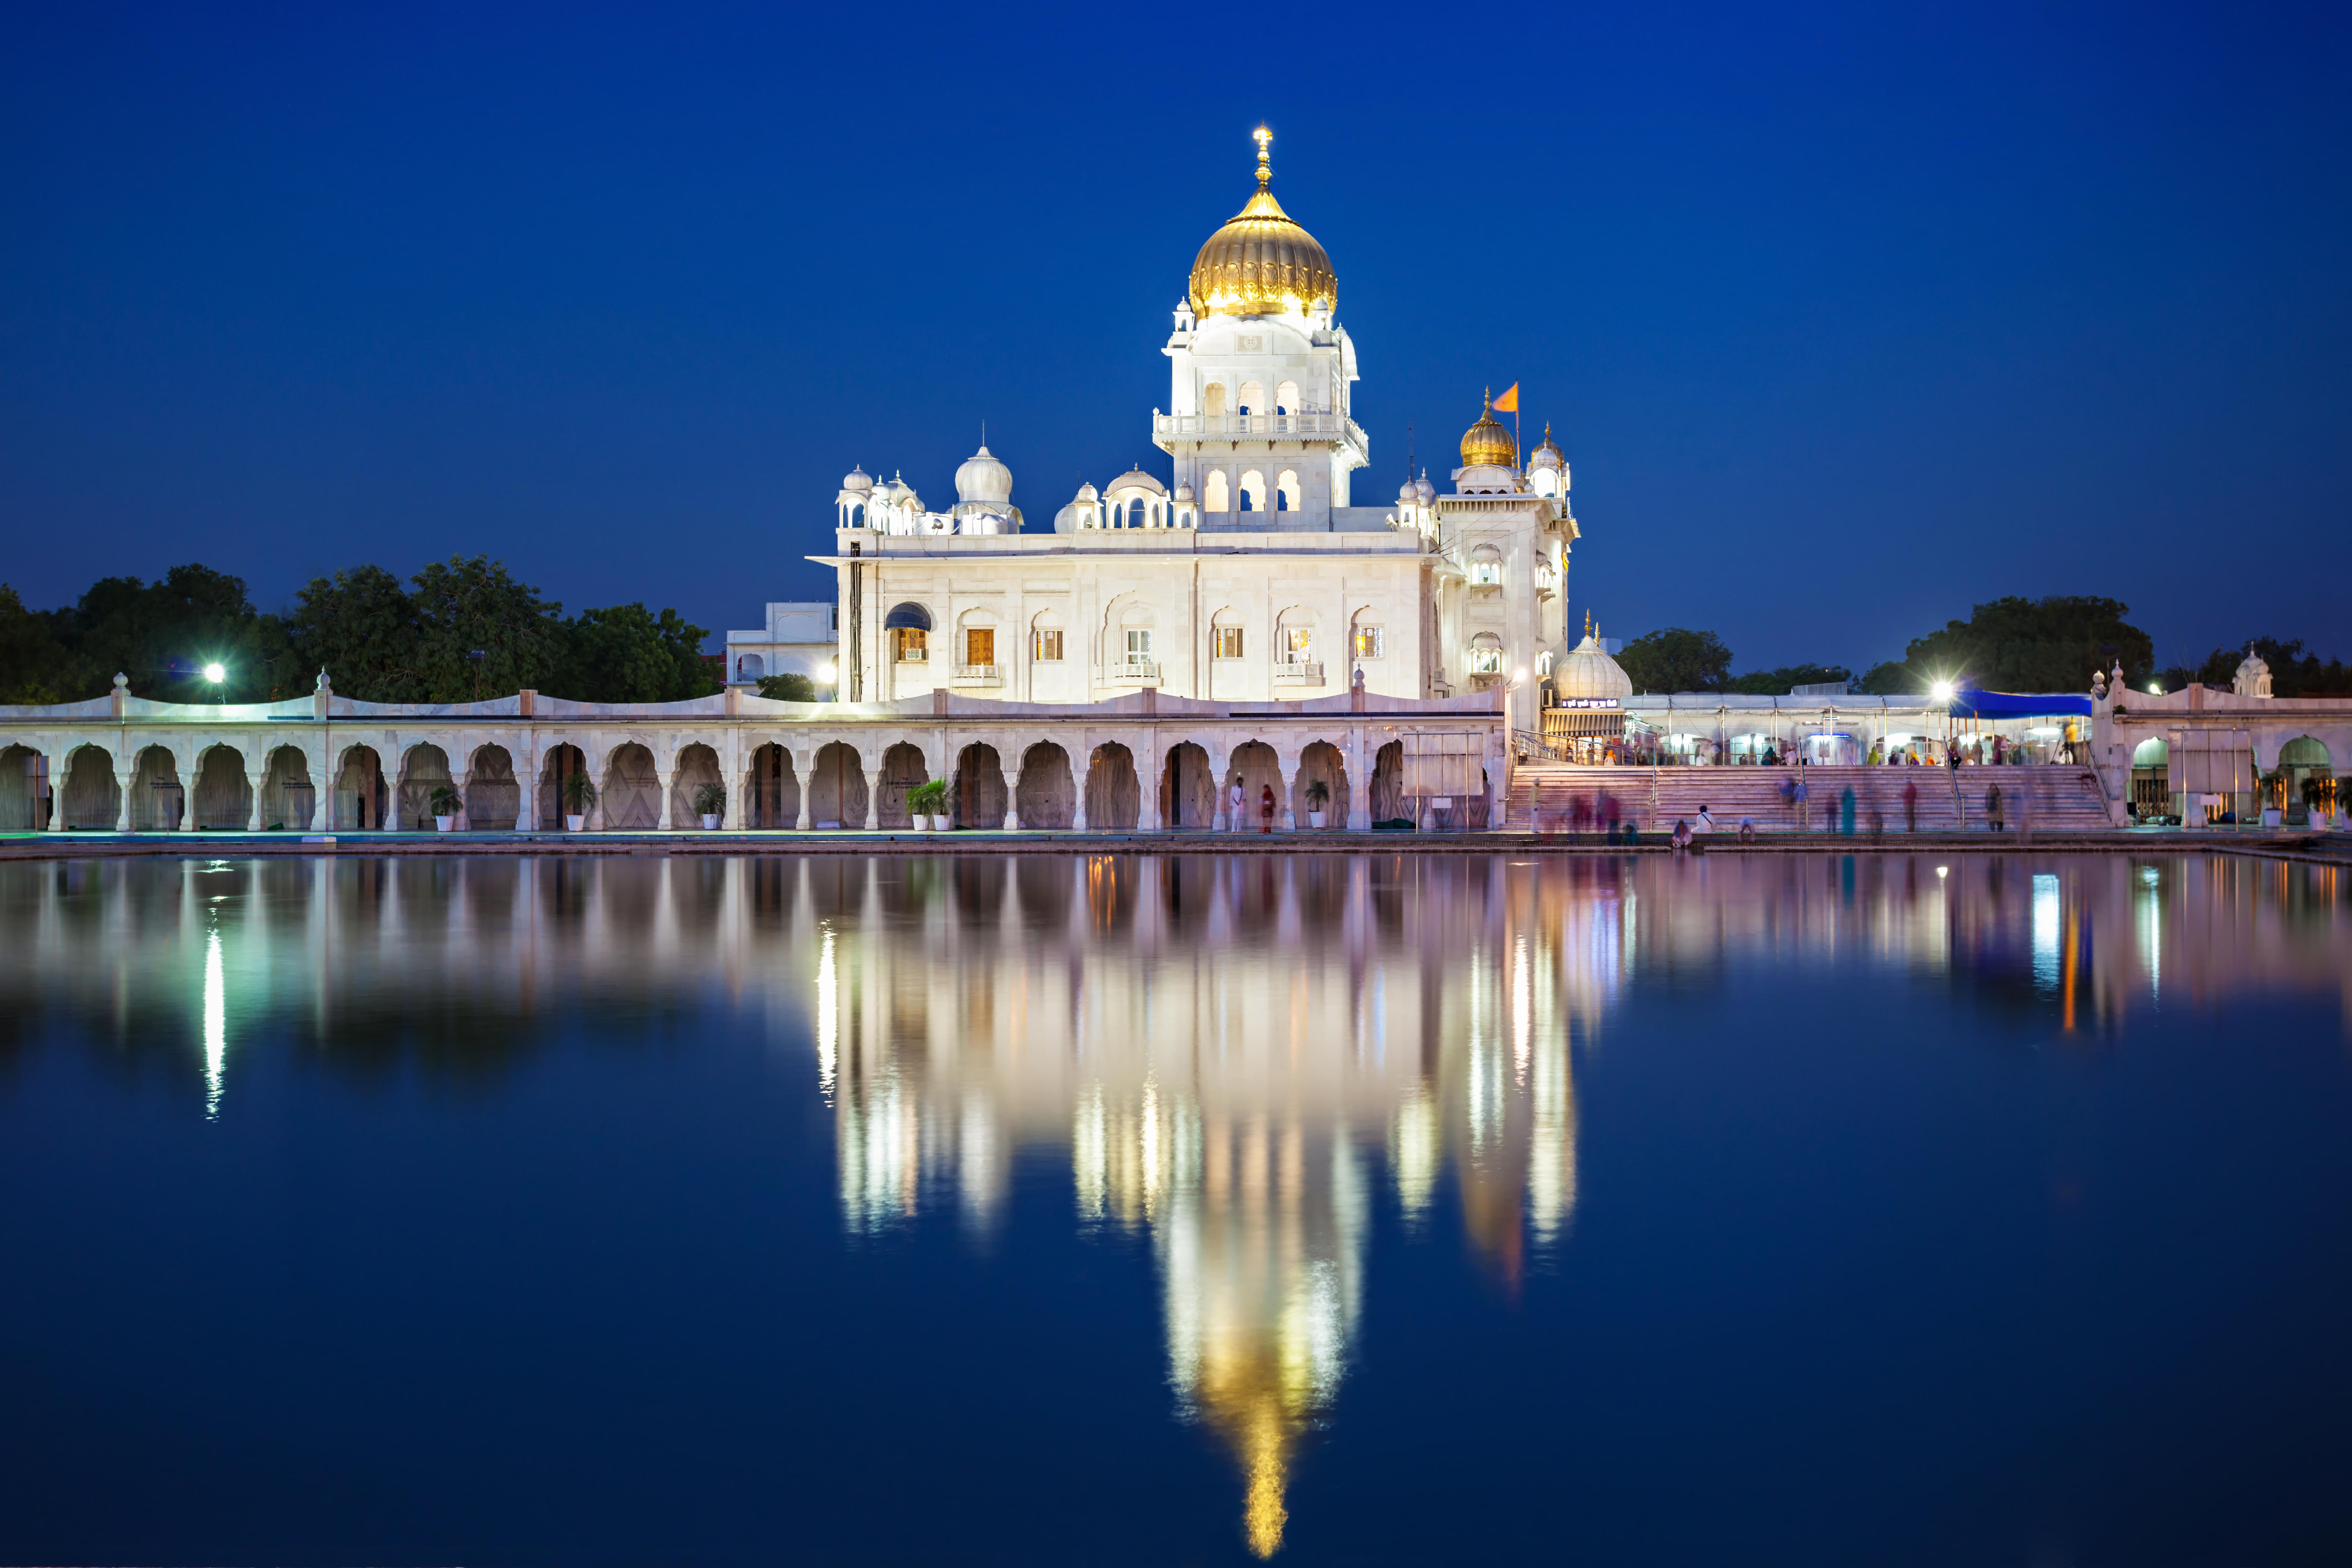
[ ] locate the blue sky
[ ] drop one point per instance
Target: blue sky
(1847, 317)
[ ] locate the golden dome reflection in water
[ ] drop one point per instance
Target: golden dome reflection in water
(1237, 1055)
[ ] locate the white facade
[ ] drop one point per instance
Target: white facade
(1248, 574)
(800, 637)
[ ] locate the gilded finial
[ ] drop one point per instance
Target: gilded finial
(1264, 169)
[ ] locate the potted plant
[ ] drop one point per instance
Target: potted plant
(444, 806)
(927, 803)
(710, 805)
(579, 795)
(1318, 795)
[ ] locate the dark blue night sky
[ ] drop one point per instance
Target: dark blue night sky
(1847, 317)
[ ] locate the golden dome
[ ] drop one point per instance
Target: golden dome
(1487, 442)
(1261, 263)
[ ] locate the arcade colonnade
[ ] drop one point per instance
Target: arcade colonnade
(820, 765)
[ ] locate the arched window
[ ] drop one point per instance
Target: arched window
(1286, 398)
(858, 515)
(750, 667)
(1220, 498)
(909, 628)
(1135, 512)
(1045, 639)
(1485, 566)
(1486, 654)
(1285, 491)
(1253, 492)
(1225, 634)
(1252, 398)
(1212, 397)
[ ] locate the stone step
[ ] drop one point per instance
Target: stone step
(2058, 798)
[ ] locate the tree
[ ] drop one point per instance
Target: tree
(162, 635)
(630, 653)
(361, 628)
(2294, 671)
(1891, 678)
(1676, 659)
(1778, 682)
(2033, 645)
(789, 687)
(34, 666)
(465, 607)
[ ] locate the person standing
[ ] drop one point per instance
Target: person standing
(1993, 809)
(1910, 806)
(1804, 811)
(1265, 808)
(1233, 798)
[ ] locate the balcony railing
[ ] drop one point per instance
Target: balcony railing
(1299, 672)
(1129, 672)
(1547, 582)
(1244, 426)
(980, 675)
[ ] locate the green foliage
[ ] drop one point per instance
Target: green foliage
(710, 800)
(445, 801)
(929, 798)
(789, 687)
(2034, 645)
(1891, 678)
(2294, 672)
(468, 607)
(1777, 682)
(579, 792)
(361, 628)
(629, 654)
(34, 666)
(1676, 659)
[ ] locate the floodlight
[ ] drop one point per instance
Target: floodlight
(216, 674)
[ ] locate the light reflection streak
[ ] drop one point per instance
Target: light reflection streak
(215, 1024)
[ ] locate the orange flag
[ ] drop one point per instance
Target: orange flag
(1509, 402)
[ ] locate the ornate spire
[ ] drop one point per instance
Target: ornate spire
(1264, 169)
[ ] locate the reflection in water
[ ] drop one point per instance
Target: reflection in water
(1237, 1058)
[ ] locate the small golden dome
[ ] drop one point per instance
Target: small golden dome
(1487, 442)
(1261, 263)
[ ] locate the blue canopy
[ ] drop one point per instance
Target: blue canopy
(1972, 704)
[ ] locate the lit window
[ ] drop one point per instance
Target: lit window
(1297, 645)
(1225, 642)
(1485, 660)
(1486, 573)
(910, 645)
(1045, 647)
(1138, 646)
(1370, 642)
(978, 645)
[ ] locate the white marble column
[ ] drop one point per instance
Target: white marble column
(662, 779)
(123, 779)
(1285, 810)
(804, 774)
(187, 802)
(254, 784)
(1360, 785)
(59, 773)
(527, 794)
(873, 798)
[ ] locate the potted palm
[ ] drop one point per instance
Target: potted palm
(927, 803)
(579, 795)
(1318, 795)
(444, 806)
(710, 805)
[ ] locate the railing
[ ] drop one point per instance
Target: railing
(1129, 672)
(1300, 672)
(1547, 582)
(980, 675)
(1229, 427)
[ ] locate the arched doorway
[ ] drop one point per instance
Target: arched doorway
(698, 768)
(423, 771)
(158, 799)
(20, 807)
(837, 789)
(559, 766)
(359, 794)
(1259, 769)
(774, 798)
(1324, 763)
(290, 801)
(1389, 807)
(1113, 794)
(2307, 778)
(632, 790)
(92, 797)
(493, 795)
(981, 798)
(902, 769)
(224, 795)
(1188, 789)
(1046, 796)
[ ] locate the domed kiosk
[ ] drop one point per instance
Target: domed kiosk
(1584, 702)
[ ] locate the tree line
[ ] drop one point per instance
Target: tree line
(2011, 643)
(456, 631)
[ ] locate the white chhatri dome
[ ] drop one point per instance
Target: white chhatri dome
(1588, 672)
(983, 481)
(857, 480)
(1136, 479)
